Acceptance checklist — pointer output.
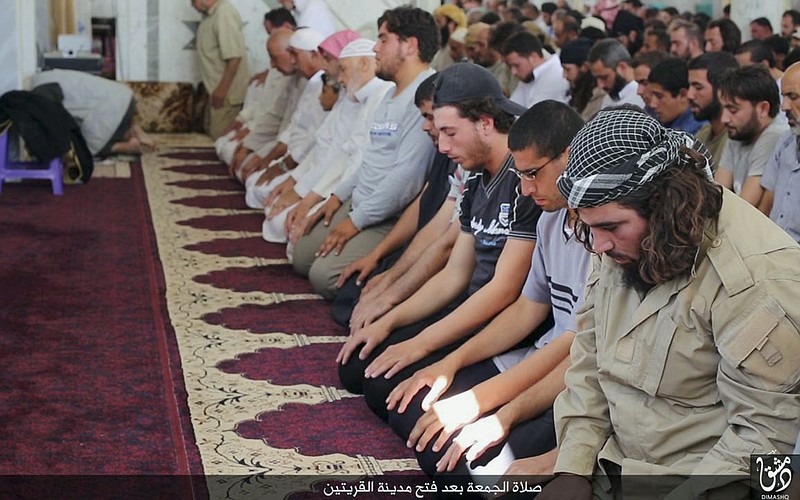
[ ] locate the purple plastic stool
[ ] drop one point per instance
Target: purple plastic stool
(32, 170)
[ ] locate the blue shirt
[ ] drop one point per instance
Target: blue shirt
(686, 122)
(782, 177)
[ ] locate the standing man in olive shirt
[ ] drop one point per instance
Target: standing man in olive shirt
(223, 62)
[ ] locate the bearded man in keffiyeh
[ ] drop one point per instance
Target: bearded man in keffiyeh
(685, 361)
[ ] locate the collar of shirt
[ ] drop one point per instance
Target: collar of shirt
(211, 10)
(367, 89)
(316, 76)
(546, 66)
(629, 90)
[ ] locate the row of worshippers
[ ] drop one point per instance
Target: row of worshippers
(466, 250)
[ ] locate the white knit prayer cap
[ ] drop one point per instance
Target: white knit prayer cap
(361, 47)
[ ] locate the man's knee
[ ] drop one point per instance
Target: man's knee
(376, 390)
(225, 148)
(272, 230)
(304, 255)
(323, 278)
(351, 374)
(403, 423)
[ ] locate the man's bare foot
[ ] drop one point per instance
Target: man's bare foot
(146, 143)
(132, 147)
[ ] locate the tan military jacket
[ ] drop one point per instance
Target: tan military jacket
(699, 374)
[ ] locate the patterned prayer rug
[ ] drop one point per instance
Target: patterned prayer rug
(257, 346)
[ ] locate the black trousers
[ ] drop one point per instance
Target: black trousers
(376, 390)
(531, 438)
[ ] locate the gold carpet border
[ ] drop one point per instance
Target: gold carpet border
(218, 400)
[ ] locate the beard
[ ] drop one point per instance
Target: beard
(709, 112)
(632, 278)
(619, 84)
(387, 69)
(354, 85)
(747, 133)
(444, 35)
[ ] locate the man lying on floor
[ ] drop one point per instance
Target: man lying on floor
(103, 108)
(488, 264)
(482, 375)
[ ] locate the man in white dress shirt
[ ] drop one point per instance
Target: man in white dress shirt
(540, 74)
(612, 66)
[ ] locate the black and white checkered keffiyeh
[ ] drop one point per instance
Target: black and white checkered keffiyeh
(618, 151)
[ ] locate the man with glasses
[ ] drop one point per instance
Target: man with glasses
(491, 256)
(512, 391)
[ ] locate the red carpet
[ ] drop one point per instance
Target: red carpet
(99, 379)
(90, 379)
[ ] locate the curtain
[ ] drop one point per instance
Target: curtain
(62, 19)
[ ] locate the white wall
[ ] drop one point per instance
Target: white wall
(744, 11)
(156, 36)
(18, 49)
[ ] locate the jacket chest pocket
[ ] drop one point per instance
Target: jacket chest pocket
(640, 357)
(666, 358)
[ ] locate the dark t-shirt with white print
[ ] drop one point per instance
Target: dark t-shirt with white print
(494, 209)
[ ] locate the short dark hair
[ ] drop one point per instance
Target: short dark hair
(549, 7)
(759, 52)
(792, 57)
(777, 44)
(425, 90)
(651, 59)
(794, 14)
(515, 13)
(501, 32)
(715, 64)
(571, 26)
(610, 52)
(656, 24)
(731, 36)
(701, 19)
(474, 109)
(672, 75)
(750, 83)
(592, 33)
(523, 43)
(279, 16)
(662, 38)
(551, 136)
(763, 22)
(407, 22)
(672, 11)
(490, 18)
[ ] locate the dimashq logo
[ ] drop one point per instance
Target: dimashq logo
(771, 476)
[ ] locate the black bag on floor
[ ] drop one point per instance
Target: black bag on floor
(49, 132)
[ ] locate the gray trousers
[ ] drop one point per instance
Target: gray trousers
(324, 271)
